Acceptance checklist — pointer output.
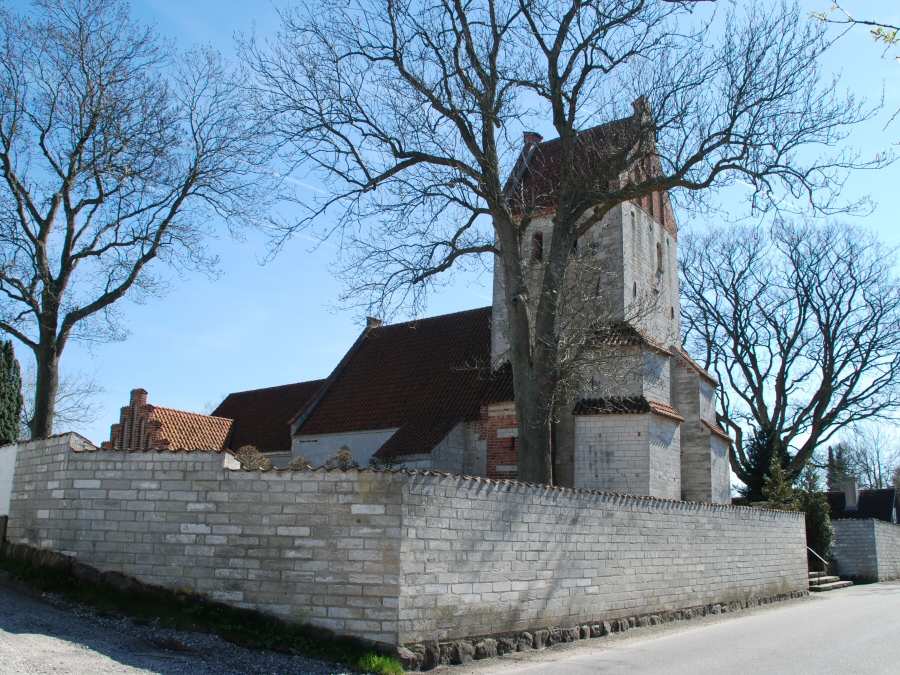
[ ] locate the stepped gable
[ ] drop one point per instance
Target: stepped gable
(422, 377)
(143, 426)
(877, 504)
(262, 417)
(603, 152)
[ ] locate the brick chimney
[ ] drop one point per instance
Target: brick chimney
(851, 494)
(532, 138)
(373, 322)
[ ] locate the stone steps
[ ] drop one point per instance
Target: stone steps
(819, 582)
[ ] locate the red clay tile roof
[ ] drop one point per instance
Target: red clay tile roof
(629, 335)
(421, 377)
(696, 366)
(665, 410)
(262, 417)
(717, 430)
(601, 153)
(182, 430)
(625, 405)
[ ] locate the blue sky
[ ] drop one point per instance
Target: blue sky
(265, 325)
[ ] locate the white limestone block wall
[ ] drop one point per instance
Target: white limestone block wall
(631, 454)
(487, 558)
(867, 550)
(396, 558)
(315, 547)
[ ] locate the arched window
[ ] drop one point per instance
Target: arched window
(537, 246)
(659, 257)
(633, 226)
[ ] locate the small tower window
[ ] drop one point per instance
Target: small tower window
(635, 289)
(632, 220)
(659, 258)
(537, 246)
(672, 311)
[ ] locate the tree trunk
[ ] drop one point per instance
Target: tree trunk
(45, 392)
(532, 386)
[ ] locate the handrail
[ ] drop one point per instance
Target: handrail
(824, 562)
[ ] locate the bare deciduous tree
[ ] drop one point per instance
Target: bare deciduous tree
(115, 151)
(76, 402)
(801, 323)
(410, 114)
(872, 455)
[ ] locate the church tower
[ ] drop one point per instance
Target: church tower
(645, 423)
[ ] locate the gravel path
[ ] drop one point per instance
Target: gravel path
(40, 637)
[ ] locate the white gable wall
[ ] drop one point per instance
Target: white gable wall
(363, 444)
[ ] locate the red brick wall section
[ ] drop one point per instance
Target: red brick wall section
(136, 430)
(500, 430)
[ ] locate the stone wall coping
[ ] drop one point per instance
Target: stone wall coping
(235, 466)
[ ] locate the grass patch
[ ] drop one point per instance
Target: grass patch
(190, 611)
(380, 665)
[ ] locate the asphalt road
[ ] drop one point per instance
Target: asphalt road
(853, 630)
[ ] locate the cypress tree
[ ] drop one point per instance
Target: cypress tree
(812, 501)
(777, 488)
(761, 449)
(10, 394)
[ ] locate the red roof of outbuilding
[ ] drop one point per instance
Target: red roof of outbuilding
(190, 431)
(262, 417)
(421, 377)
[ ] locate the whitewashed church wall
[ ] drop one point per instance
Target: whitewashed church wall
(657, 382)
(653, 294)
(665, 458)
(612, 453)
(397, 558)
(623, 375)
(476, 450)
(564, 440)
(721, 471)
(7, 469)
(449, 455)
(362, 444)
(707, 399)
(696, 462)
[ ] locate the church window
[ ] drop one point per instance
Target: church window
(632, 221)
(537, 247)
(659, 258)
(635, 289)
(672, 311)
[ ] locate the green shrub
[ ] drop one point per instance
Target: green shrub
(342, 459)
(251, 458)
(380, 665)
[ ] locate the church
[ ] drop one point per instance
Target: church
(436, 393)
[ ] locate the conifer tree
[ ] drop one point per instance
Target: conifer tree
(761, 450)
(10, 394)
(777, 489)
(812, 501)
